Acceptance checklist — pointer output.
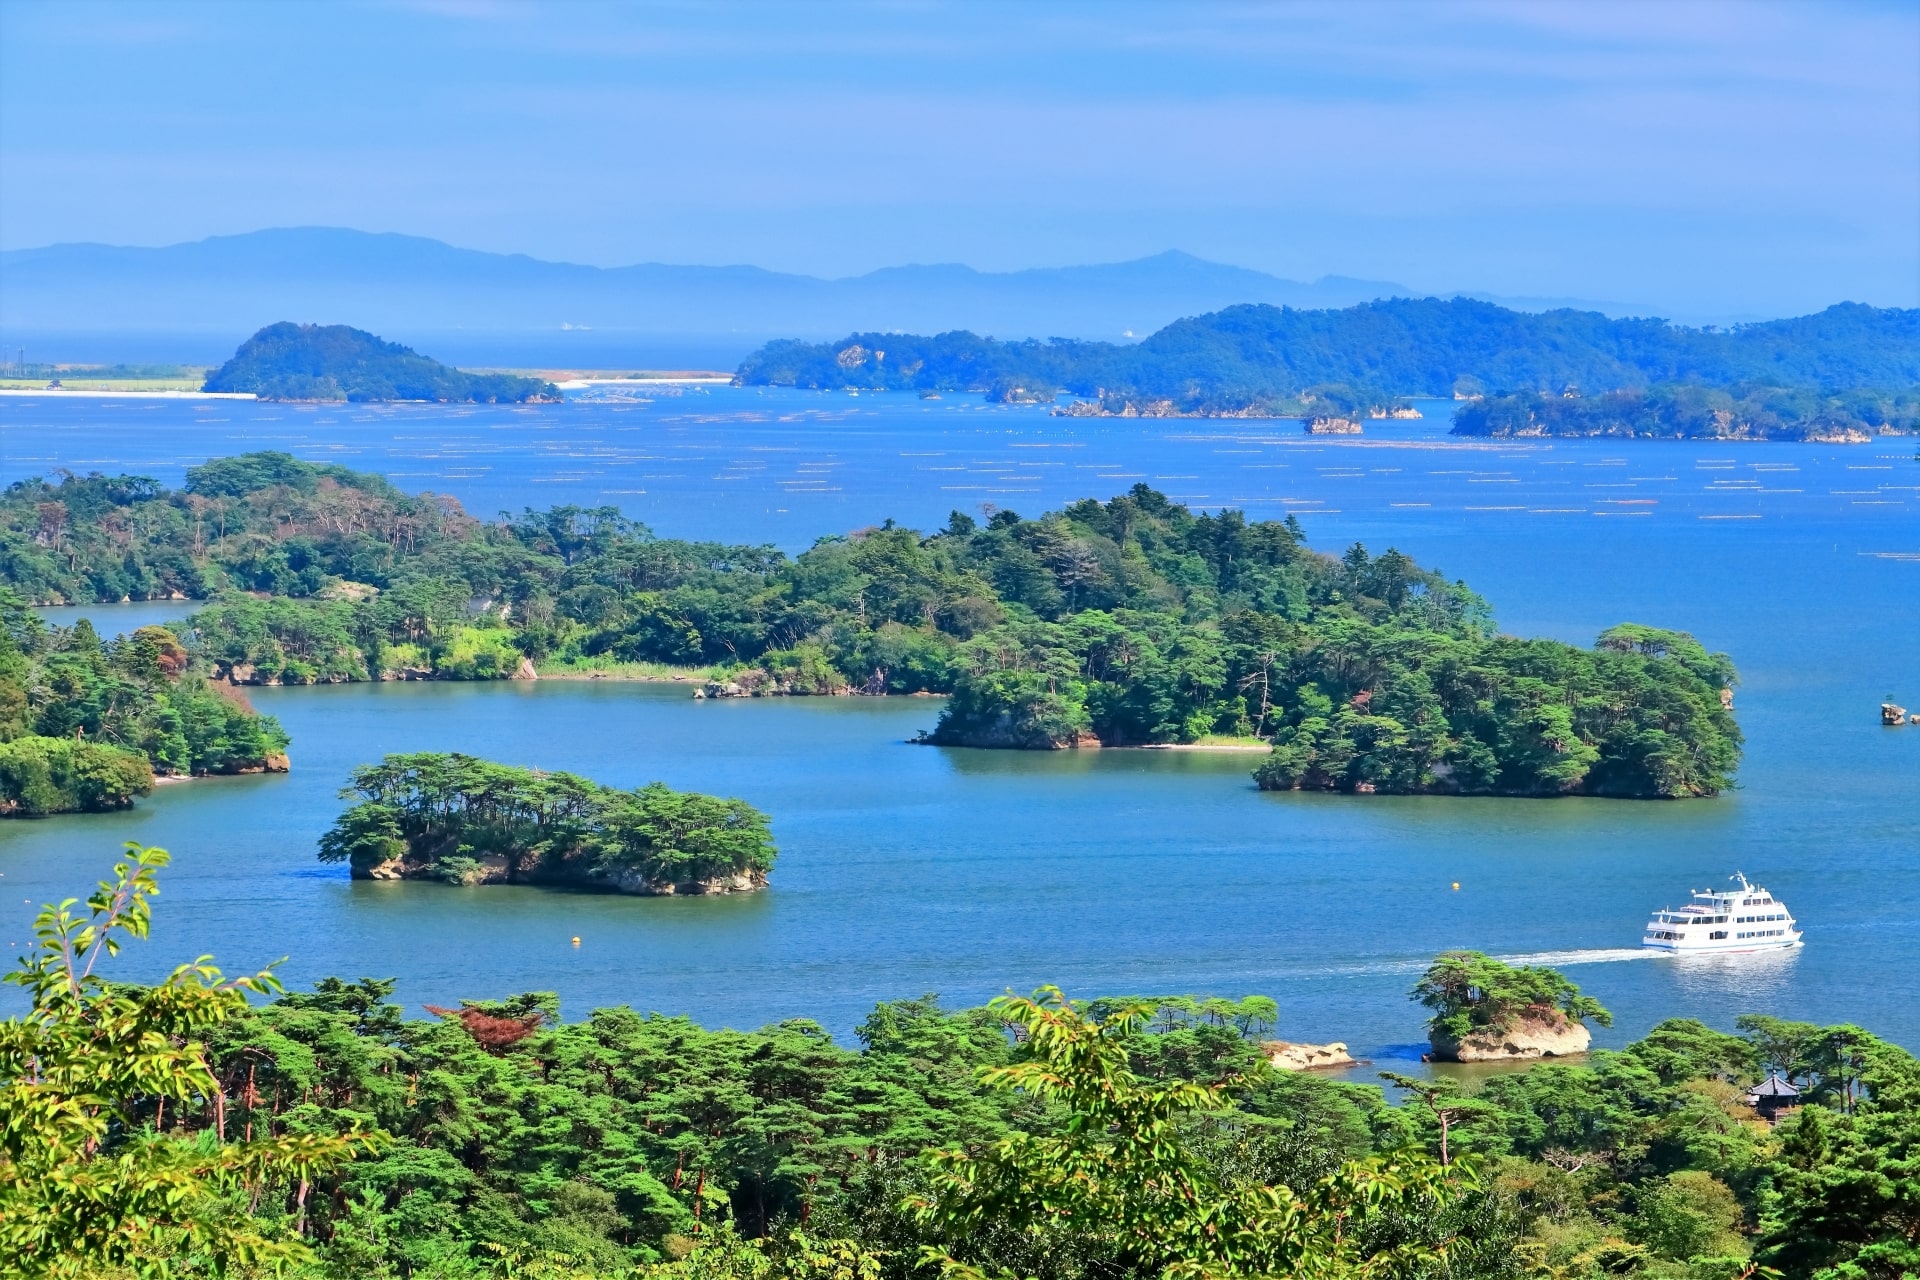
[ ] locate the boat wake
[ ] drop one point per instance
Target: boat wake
(1584, 955)
(1593, 955)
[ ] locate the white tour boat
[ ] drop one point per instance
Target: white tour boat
(1746, 918)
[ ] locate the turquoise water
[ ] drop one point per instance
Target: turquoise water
(908, 869)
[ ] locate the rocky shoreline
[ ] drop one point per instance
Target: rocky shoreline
(1844, 435)
(1285, 1055)
(1531, 1035)
(498, 870)
(276, 763)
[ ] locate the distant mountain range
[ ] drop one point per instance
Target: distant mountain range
(481, 307)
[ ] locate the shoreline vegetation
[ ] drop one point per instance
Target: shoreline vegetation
(189, 381)
(88, 727)
(602, 667)
(325, 1134)
(120, 379)
(1689, 412)
(1842, 375)
(1132, 622)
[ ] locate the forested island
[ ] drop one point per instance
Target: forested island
(85, 726)
(289, 361)
(1123, 623)
(325, 1135)
(1487, 1011)
(1689, 412)
(461, 820)
(1264, 361)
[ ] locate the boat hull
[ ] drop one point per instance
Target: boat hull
(1718, 949)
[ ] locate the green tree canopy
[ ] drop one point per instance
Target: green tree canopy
(447, 815)
(85, 725)
(289, 361)
(90, 1175)
(1471, 991)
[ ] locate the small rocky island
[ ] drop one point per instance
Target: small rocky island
(1488, 1011)
(466, 821)
(1287, 1055)
(288, 361)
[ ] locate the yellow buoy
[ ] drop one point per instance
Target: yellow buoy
(576, 937)
(1456, 889)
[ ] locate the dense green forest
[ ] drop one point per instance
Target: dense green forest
(1680, 412)
(452, 817)
(1127, 622)
(1269, 359)
(86, 725)
(288, 361)
(184, 1130)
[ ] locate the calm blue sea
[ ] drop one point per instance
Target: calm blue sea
(909, 869)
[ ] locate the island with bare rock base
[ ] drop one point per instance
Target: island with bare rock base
(466, 821)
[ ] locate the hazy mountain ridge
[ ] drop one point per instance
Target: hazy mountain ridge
(411, 284)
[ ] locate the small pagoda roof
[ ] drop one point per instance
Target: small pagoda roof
(1773, 1087)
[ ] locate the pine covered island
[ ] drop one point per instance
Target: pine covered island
(289, 361)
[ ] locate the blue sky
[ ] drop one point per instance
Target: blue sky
(1721, 158)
